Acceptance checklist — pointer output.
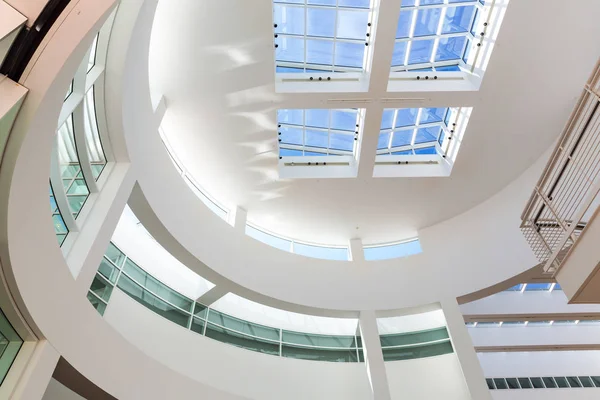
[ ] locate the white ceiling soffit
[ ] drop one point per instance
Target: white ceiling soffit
(214, 63)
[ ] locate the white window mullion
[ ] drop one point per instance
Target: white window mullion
(438, 32)
(393, 129)
(418, 121)
(411, 31)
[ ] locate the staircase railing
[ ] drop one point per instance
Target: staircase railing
(566, 195)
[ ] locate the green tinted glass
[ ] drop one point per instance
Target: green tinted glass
(11, 344)
(108, 270)
(308, 339)
(155, 286)
(243, 326)
(152, 302)
(409, 353)
(403, 339)
(198, 325)
(318, 354)
(115, 255)
(240, 340)
(96, 303)
(101, 288)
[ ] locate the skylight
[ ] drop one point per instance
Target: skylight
(317, 132)
(321, 35)
(438, 35)
(415, 131)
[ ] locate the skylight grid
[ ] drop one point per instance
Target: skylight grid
(436, 35)
(414, 131)
(317, 132)
(320, 35)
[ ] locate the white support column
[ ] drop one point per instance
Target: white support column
(160, 111)
(373, 356)
(212, 295)
(356, 249)
(99, 225)
(37, 372)
(11, 21)
(237, 218)
(463, 347)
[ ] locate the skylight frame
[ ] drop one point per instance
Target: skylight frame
(471, 50)
(306, 67)
(327, 153)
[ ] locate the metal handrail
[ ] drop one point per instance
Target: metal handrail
(557, 211)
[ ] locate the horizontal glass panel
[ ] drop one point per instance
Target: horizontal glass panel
(387, 252)
(532, 287)
(309, 339)
(101, 287)
(198, 325)
(240, 340)
(322, 36)
(242, 326)
(152, 302)
(96, 303)
(319, 354)
(326, 253)
(323, 131)
(115, 255)
(402, 339)
(271, 240)
(408, 353)
(155, 286)
(108, 270)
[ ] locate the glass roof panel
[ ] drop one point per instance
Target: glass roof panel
(317, 132)
(320, 35)
(435, 35)
(414, 131)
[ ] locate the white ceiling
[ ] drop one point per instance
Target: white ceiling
(213, 61)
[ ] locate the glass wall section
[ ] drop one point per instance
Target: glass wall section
(59, 223)
(92, 136)
(394, 250)
(73, 181)
(340, 253)
(410, 345)
(437, 35)
(416, 131)
(317, 132)
(117, 270)
(546, 382)
(10, 344)
(321, 35)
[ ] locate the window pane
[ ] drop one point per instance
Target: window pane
(500, 383)
(266, 238)
(525, 383)
(115, 255)
(108, 270)
(402, 339)
(561, 381)
(240, 340)
(586, 381)
(317, 354)
(408, 353)
(242, 326)
(94, 144)
(152, 302)
(96, 303)
(101, 288)
(314, 340)
(327, 253)
(573, 381)
(512, 383)
(538, 384)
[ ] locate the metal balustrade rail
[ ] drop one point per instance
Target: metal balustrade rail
(561, 203)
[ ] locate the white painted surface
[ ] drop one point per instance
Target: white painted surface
(411, 323)
(438, 377)
(585, 336)
(57, 391)
(540, 363)
(224, 366)
(546, 394)
(221, 117)
(541, 304)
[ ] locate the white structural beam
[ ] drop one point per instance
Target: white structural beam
(212, 295)
(463, 347)
(92, 240)
(356, 250)
(374, 356)
(35, 374)
(11, 21)
(160, 110)
(11, 97)
(382, 44)
(515, 306)
(528, 338)
(238, 218)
